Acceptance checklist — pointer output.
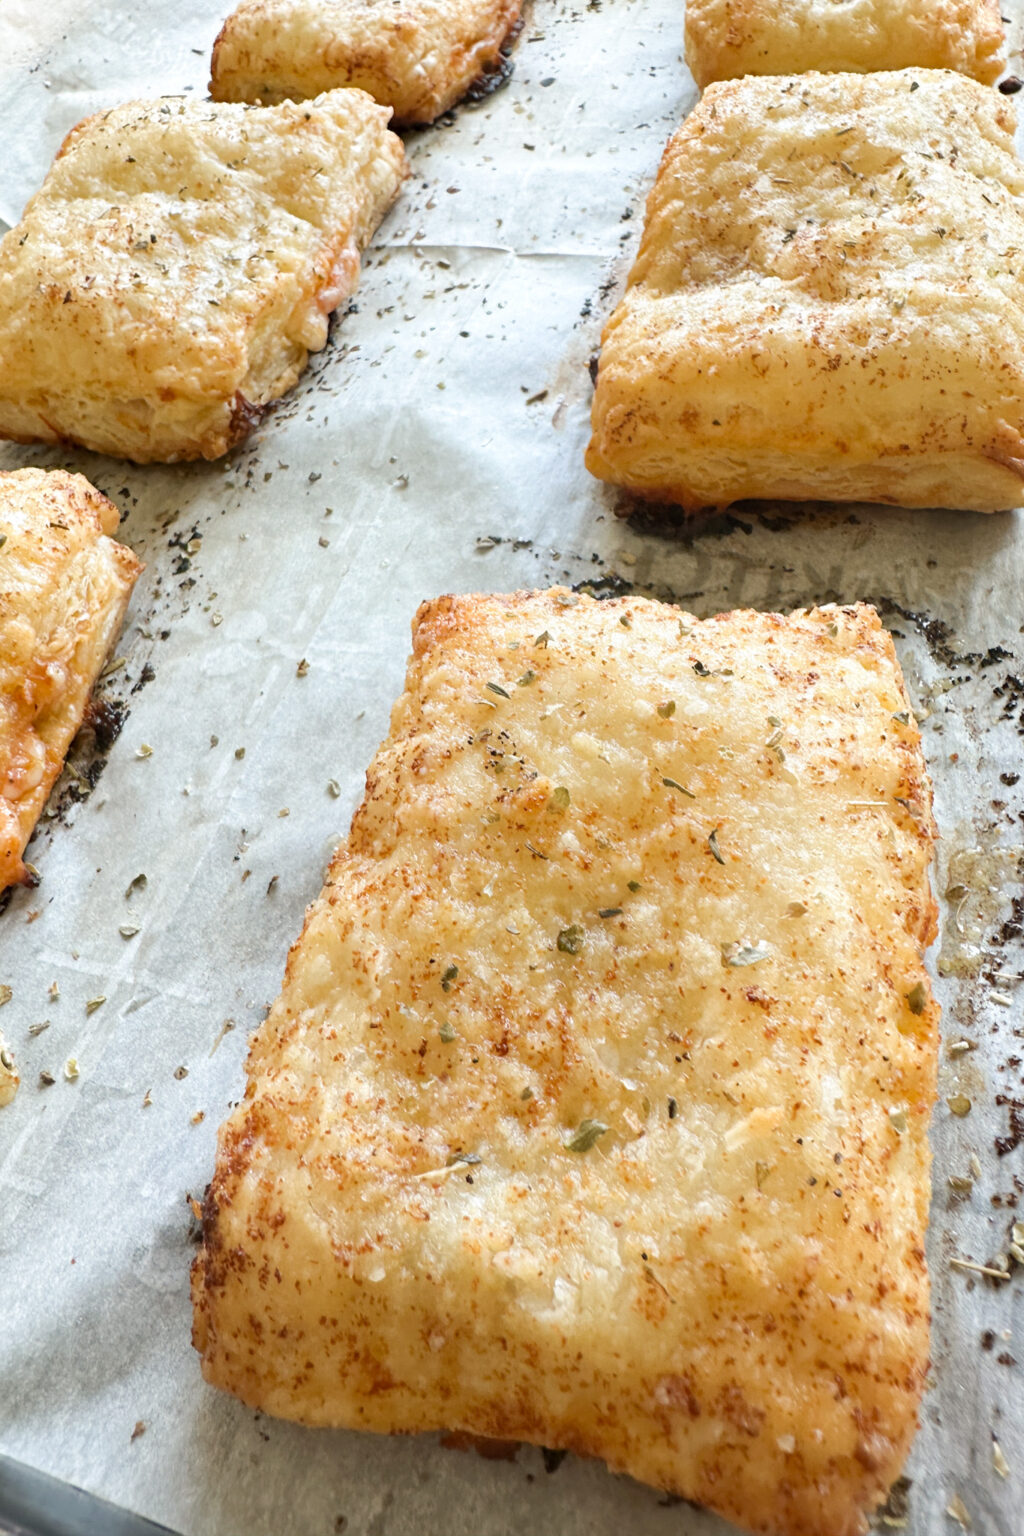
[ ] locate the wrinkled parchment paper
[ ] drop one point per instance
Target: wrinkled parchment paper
(436, 445)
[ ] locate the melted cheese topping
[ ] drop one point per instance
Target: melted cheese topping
(826, 300)
(729, 38)
(574, 1120)
(169, 278)
(416, 56)
(64, 587)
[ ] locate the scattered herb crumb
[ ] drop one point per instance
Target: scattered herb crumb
(739, 953)
(587, 1135)
(917, 998)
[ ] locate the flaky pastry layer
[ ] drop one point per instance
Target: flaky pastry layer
(594, 1109)
(729, 38)
(180, 263)
(418, 57)
(64, 588)
(826, 301)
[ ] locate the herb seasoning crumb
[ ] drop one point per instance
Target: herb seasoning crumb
(449, 976)
(447, 1032)
(737, 953)
(570, 940)
(917, 998)
(957, 1511)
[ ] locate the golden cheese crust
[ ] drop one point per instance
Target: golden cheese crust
(594, 1109)
(418, 57)
(178, 266)
(825, 303)
(64, 588)
(9, 1076)
(729, 38)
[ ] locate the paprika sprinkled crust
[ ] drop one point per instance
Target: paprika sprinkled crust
(729, 38)
(9, 1075)
(178, 266)
(64, 588)
(826, 301)
(569, 1128)
(417, 56)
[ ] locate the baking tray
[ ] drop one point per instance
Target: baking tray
(436, 445)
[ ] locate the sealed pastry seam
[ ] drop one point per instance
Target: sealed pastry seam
(179, 264)
(825, 301)
(418, 57)
(64, 588)
(594, 1108)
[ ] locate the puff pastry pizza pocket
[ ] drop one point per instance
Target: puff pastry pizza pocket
(728, 38)
(826, 301)
(417, 56)
(594, 1109)
(178, 266)
(64, 588)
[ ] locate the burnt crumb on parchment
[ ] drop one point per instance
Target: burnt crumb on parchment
(604, 588)
(102, 724)
(1010, 1143)
(552, 1459)
(665, 520)
(938, 636)
(895, 1512)
(145, 676)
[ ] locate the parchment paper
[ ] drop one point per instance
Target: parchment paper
(436, 445)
